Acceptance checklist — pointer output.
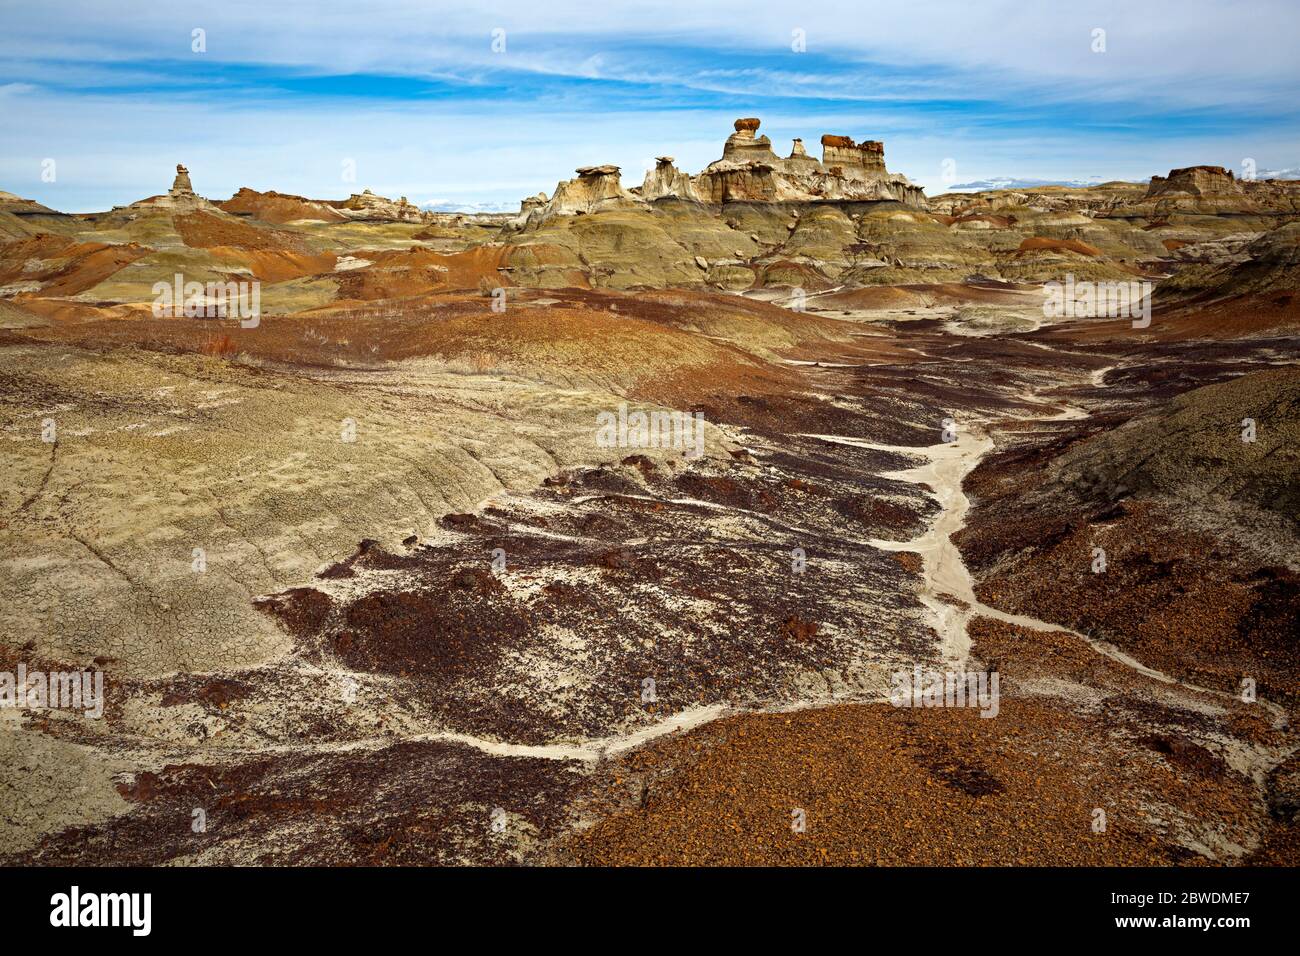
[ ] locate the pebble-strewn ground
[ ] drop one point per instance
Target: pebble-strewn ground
(887, 786)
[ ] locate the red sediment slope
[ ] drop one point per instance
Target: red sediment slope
(1043, 244)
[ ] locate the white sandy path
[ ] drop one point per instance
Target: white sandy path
(945, 575)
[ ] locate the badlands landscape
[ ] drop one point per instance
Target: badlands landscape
(366, 585)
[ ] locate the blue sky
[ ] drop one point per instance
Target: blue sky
(412, 95)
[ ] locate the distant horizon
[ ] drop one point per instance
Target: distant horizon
(487, 107)
(487, 208)
(471, 206)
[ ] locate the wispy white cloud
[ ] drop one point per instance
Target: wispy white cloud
(1197, 50)
(1005, 88)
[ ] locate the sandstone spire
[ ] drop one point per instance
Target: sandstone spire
(181, 185)
(667, 181)
(745, 145)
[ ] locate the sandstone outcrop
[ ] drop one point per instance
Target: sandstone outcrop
(596, 188)
(527, 207)
(1195, 181)
(1210, 190)
(744, 145)
(367, 206)
(866, 158)
(181, 197)
(23, 207)
(21, 217)
(667, 181)
(1090, 201)
(181, 185)
(848, 172)
(749, 171)
(1247, 264)
(799, 160)
(277, 208)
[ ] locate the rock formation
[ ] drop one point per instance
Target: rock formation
(1194, 181)
(181, 186)
(1244, 264)
(1192, 190)
(799, 160)
(366, 205)
(1210, 190)
(24, 207)
(667, 181)
(596, 188)
(180, 197)
(744, 146)
(277, 208)
(858, 160)
(1090, 201)
(749, 171)
(848, 171)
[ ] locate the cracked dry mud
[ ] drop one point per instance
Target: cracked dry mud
(431, 644)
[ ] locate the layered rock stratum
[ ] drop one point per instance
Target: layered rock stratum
(749, 171)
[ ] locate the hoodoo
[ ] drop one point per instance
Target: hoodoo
(181, 185)
(848, 172)
(749, 171)
(667, 181)
(181, 197)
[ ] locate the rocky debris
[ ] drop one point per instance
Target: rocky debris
(549, 651)
(1198, 527)
(456, 406)
(878, 785)
(405, 803)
